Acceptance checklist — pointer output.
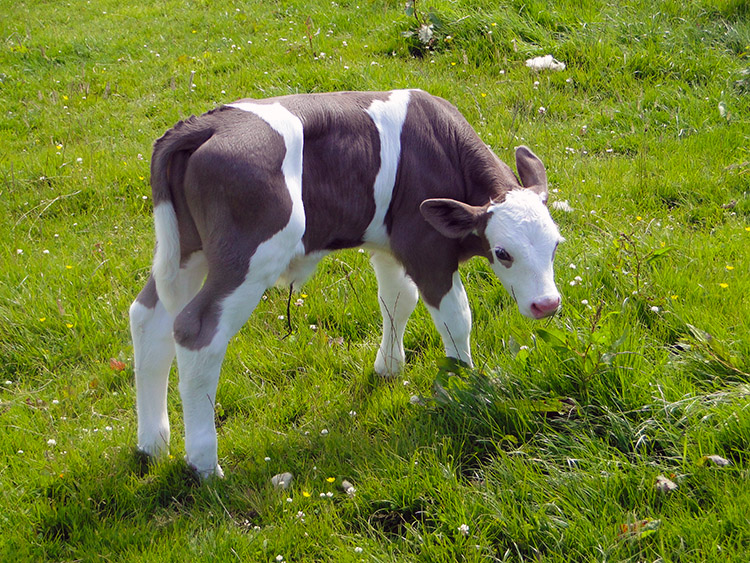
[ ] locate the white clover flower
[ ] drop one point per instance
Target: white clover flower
(463, 529)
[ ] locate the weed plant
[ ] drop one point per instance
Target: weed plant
(616, 431)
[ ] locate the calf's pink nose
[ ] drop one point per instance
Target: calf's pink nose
(545, 306)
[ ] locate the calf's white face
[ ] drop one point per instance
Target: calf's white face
(523, 239)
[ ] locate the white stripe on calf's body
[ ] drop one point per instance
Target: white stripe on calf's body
(389, 117)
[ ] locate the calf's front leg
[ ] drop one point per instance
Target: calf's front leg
(397, 296)
(452, 319)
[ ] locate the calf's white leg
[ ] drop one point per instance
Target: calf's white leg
(453, 321)
(153, 352)
(397, 296)
(203, 331)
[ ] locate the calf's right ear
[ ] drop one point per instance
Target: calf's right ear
(452, 218)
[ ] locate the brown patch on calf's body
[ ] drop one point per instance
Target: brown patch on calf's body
(148, 296)
(341, 159)
(339, 170)
(237, 198)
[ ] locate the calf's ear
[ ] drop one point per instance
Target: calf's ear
(452, 218)
(532, 172)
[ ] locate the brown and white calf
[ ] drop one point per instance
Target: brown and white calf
(259, 191)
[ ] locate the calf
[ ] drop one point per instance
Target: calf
(258, 191)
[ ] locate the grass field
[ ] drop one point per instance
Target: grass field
(556, 448)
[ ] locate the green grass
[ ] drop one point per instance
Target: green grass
(548, 451)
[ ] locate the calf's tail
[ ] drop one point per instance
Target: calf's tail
(168, 165)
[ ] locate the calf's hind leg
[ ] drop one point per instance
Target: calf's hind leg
(153, 352)
(203, 329)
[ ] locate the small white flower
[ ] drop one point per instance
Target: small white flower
(357, 549)
(55, 402)
(654, 309)
(329, 494)
(51, 442)
(20, 452)
(572, 266)
(267, 458)
(279, 558)
(19, 251)
(584, 301)
(542, 110)
(324, 432)
(79, 160)
(45, 251)
(463, 529)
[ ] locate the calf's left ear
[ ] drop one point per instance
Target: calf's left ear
(452, 218)
(532, 172)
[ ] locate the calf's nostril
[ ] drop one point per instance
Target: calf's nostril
(546, 306)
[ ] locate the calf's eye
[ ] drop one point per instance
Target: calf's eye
(502, 255)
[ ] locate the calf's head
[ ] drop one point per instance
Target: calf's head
(518, 231)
